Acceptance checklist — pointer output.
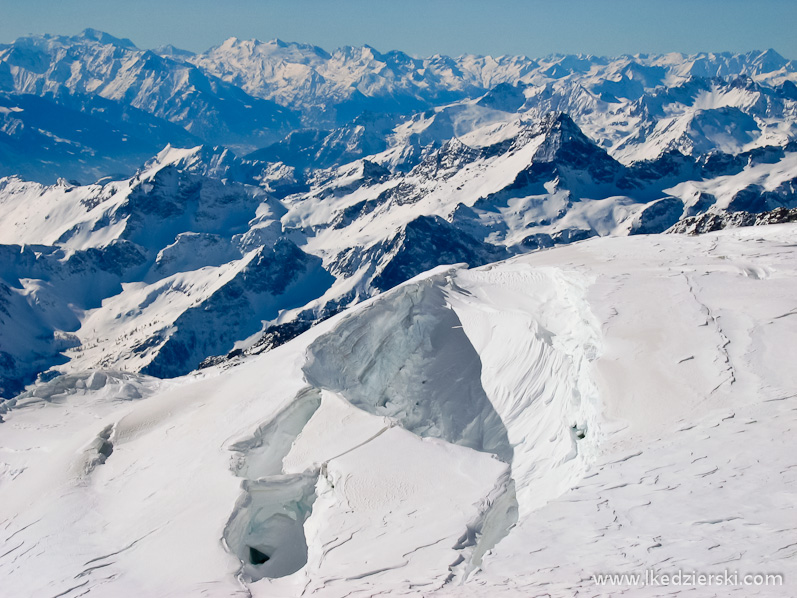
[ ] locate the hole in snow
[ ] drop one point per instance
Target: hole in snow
(256, 557)
(106, 448)
(266, 530)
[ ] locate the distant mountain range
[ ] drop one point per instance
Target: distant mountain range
(94, 105)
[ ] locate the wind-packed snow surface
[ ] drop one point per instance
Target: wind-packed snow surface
(607, 407)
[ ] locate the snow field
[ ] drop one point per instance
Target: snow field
(610, 406)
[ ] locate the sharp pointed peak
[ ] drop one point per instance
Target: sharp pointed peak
(558, 119)
(771, 53)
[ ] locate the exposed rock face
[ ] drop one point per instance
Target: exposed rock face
(658, 216)
(709, 222)
(427, 242)
(278, 277)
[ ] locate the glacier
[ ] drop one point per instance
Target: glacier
(504, 430)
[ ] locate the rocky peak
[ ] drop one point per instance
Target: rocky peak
(447, 160)
(566, 146)
(426, 242)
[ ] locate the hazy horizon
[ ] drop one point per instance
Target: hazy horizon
(384, 50)
(422, 28)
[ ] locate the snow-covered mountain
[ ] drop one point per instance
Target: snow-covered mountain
(613, 406)
(130, 267)
(692, 103)
(298, 74)
(203, 253)
(92, 99)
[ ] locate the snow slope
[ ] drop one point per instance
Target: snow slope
(510, 430)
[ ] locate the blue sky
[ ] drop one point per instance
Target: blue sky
(424, 27)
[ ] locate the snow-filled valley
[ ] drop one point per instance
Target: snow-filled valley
(277, 322)
(612, 406)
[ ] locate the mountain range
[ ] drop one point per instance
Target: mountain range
(91, 105)
(200, 253)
